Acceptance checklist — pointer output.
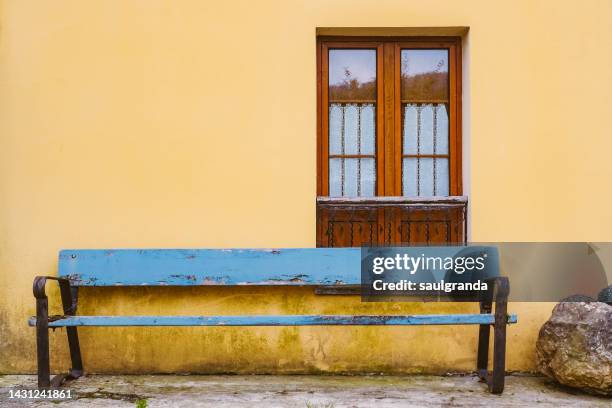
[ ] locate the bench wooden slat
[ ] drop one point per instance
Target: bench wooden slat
(188, 267)
(269, 320)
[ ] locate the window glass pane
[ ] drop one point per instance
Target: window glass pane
(368, 128)
(335, 177)
(336, 120)
(441, 146)
(368, 177)
(351, 128)
(410, 128)
(425, 177)
(441, 177)
(425, 136)
(352, 75)
(350, 177)
(409, 177)
(425, 129)
(425, 174)
(424, 75)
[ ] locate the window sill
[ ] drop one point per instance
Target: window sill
(393, 200)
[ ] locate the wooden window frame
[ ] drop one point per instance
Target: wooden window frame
(388, 108)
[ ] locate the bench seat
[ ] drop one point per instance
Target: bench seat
(269, 320)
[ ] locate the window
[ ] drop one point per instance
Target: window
(389, 125)
(389, 118)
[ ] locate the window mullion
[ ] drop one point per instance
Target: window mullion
(380, 122)
(390, 124)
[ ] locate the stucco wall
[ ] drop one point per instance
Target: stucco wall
(192, 124)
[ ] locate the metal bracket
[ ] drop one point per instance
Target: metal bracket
(69, 304)
(498, 291)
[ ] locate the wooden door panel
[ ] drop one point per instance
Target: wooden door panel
(430, 225)
(347, 226)
(360, 222)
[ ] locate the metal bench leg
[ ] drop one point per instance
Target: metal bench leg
(496, 383)
(482, 364)
(42, 336)
(484, 332)
(497, 291)
(69, 302)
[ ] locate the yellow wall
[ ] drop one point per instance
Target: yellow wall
(192, 124)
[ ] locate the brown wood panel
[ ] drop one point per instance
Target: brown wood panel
(439, 232)
(432, 224)
(347, 226)
(369, 223)
(414, 232)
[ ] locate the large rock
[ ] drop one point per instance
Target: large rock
(575, 346)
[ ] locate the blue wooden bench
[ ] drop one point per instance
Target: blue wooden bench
(322, 267)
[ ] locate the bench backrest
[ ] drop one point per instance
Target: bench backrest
(192, 267)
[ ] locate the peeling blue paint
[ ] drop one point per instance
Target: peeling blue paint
(187, 267)
(287, 320)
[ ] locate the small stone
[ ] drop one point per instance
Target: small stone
(574, 346)
(605, 295)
